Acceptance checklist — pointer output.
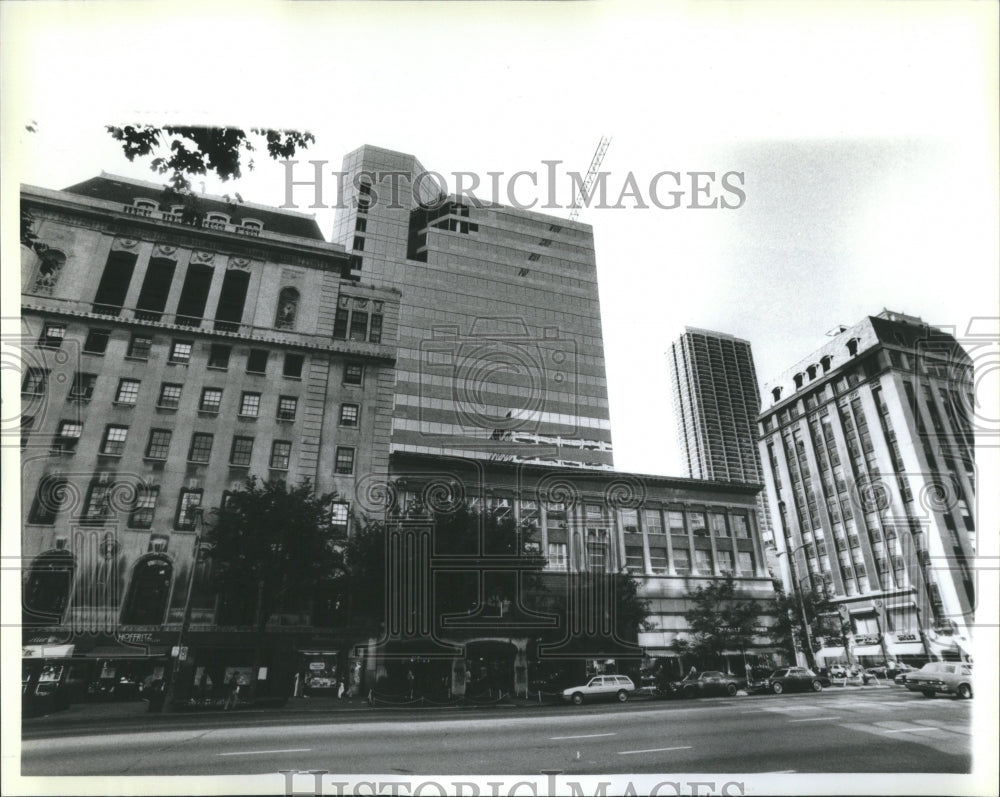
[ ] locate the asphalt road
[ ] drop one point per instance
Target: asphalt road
(878, 731)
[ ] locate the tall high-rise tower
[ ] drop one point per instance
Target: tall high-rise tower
(716, 401)
(871, 479)
(500, 348)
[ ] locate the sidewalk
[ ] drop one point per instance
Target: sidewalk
(137, 710)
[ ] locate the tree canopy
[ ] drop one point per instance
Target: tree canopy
(720, 618)
(183, 151)
(821, 615)
(273, 545)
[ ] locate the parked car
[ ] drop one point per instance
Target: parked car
(707, 683)
(794, 679)
(903, 671)
(944, 677)
(601, 687)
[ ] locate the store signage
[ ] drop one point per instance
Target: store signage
(907, 638)
(316, 665)
(867, 639)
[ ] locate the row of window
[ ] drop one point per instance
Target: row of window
(200, 450)
(99, 504)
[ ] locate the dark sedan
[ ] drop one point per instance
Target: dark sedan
(708, 683)
(794, 679)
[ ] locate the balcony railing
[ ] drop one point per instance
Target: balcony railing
(193, 221)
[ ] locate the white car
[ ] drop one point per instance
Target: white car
(601, 687)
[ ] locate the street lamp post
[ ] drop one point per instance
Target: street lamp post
(171, 695)
(810, 660)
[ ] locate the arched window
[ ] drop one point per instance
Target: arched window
(811, 370)
(825, 361)
(288, 306)
(852, 346)
(776, 392)
(253, 224)
(798, 379)
(149, 591)
(48, 586)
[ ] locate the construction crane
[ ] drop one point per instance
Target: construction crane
(588, 183)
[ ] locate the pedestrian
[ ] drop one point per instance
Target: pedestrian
(234, 692)
(340, 689)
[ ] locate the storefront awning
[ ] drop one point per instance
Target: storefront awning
(46, 651)
(906, 648)
(868, 650)
(831, 654)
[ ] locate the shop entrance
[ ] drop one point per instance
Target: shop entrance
(489, 668)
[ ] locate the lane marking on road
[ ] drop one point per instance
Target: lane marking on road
(269, 752)
(909, 730)
(654, 750)
(777, 772)
(816, 719)
(582, 736)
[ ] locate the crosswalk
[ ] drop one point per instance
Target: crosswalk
(941, 724)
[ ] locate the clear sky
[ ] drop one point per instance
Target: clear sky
(866, 134)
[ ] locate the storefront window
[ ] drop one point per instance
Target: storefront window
(148, 592)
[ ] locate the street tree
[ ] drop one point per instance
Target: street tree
(803, 618)
(720, 618)
(184, 151)
(273, 548)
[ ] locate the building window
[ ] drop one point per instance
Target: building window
(49, 584)
(27, 423)
(657, 559)
(703, 561)
(144, 507)
(257, 361)
(653, 521)
(358, 319)
(218, 356)
(139, 347)
(201, 447)
(740, 526)
(52, 496)
(287, 407)
(250, 405)
(211, 399)
(557, 558)
(293, 366)
(36, 380)
(52, 336)
(338, 519)
(148, 592)
(97, 341)
(696, 520)
(180, 351)
(345, 461)
(96, 507)
(597, 551)
(288, 305)
(852, 347)
(676, 523)
(629, 520)
(128, 392)
(82, 387)
(114, 284)
(359, 243)
(727, 565)
(745, 561)
(187, 506)
(349, 414)
(170, 396)
(281, 452)
(361, 225)
(682, 561)
(159, 444)
(114, 440)
(354, 374)
(718, 524)
(68, 436)
(634, 558)
(241, 451)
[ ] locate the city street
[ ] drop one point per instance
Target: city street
(881, 730)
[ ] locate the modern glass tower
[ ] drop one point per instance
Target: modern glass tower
(501, 355)
(716, 401)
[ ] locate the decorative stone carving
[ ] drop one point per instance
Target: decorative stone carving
(124, 243)
(288, 305)
(239, 263)
(203, 257)
(51, 262)
(164, 250)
